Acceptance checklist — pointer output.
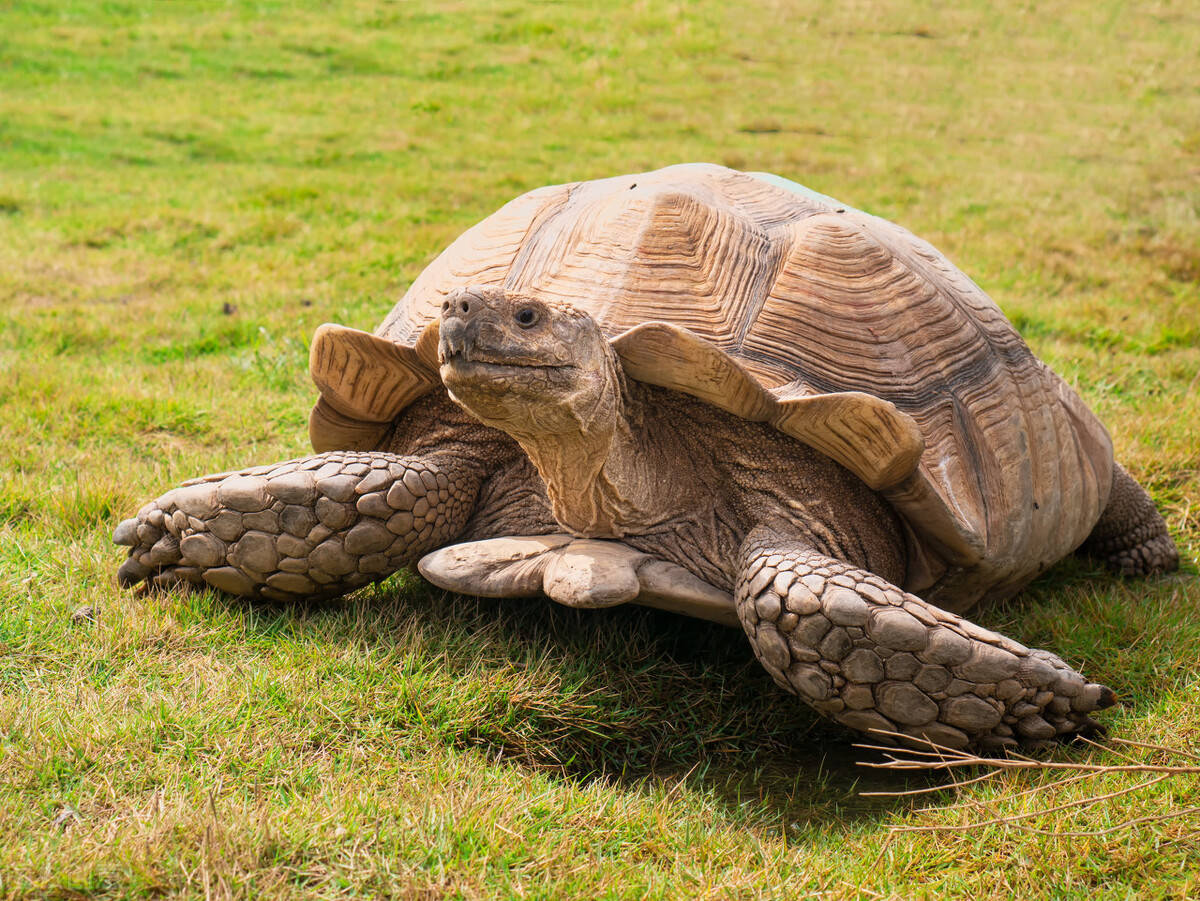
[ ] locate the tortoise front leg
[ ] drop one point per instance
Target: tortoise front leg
(316, 527)
(874, 657)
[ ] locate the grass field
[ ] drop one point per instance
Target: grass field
(188, 189)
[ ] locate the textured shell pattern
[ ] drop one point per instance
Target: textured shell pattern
(810, 296)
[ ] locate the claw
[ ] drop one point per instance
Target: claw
(1108, 697)
(131, 572)
(126, 533)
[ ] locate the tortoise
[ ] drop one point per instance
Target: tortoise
(716, 393)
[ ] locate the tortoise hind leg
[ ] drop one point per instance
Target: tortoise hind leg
(1131, 536)
(876, 658)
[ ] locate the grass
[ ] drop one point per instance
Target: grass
(188, 189)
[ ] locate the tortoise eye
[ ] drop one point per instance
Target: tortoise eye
(526, 316)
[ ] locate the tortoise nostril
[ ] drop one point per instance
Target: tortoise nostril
(465, 307)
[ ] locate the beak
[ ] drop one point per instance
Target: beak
(452, 339)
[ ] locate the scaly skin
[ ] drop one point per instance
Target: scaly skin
(874, 657)
(316, 527)
(1131, 536)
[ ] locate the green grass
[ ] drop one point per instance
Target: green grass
(301, 163)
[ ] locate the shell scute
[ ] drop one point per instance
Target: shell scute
(658, 253)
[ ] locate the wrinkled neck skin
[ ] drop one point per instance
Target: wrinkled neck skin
(602, 474)
(601, 483)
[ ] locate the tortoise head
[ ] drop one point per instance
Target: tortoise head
(527, 366)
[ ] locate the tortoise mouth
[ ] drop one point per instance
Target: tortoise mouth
(483, 363)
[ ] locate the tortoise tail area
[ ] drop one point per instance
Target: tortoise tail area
(1131, 536)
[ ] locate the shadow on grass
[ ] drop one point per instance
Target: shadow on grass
(649, 700)
(628, 695)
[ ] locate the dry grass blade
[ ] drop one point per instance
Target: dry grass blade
(941, 757)
(1139, 821)
(1153, 747)
(1005, 820)
(1128, 758)
(930, 788)
(1057, 783)
(900, 764)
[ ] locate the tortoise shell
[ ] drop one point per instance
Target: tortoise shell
(780, 305)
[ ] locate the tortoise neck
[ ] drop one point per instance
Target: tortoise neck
(603, 479)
